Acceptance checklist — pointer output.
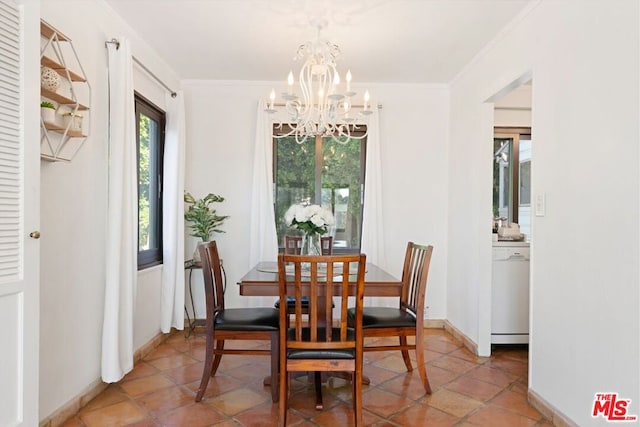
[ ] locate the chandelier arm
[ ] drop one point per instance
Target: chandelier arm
(305, 86)
(301, 141)
(284, 135)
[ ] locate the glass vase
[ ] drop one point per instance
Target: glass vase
(311, 244)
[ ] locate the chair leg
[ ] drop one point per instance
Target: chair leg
(218, 358)
(422, 369)
(275, 360)
(317, 381)
(284, 391)
(405, 353)
(206, 370)
(357, 398)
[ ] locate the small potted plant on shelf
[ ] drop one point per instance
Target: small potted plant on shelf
(204, 219)
(48, 111)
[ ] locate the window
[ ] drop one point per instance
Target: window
(512, 176)
(150, 122)
(325, 172)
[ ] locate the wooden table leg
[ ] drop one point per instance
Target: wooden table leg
(318, 386)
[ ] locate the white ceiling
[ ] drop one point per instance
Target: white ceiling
(428, 41)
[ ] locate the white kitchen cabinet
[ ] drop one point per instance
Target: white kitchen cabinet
(510, 293)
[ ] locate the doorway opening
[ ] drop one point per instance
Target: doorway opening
(511, 210)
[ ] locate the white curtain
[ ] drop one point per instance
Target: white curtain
(263, 243)
(263, 240)
(372, 221)
(122, 218)
(172, 302)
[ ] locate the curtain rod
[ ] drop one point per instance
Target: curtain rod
(280, 104)
(137, 61)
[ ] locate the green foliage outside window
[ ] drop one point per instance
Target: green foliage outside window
(333, 181)
(143, 184)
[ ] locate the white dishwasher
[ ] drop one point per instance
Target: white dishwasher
(510, 293)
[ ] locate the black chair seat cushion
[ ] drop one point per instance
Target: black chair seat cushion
(321, 353)
(248, 319)
(291, 303)
(384, 317)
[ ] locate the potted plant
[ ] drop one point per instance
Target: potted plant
(48, 111)
(204, 221)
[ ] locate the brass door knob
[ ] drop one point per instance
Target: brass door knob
(34, 234)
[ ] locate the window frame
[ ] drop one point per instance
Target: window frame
(151, 257)
(361, 130)
(515, 134)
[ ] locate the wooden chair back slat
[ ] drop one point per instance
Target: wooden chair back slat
(414, 277)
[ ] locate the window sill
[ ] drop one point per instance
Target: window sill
(150, 269)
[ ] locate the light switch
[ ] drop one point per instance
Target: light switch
(540, 205)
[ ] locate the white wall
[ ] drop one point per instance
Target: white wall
(220, 138)
(73, 206)
(514, 108)
(584, 275)
(511, 117)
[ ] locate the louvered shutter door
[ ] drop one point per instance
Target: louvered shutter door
(11, 174)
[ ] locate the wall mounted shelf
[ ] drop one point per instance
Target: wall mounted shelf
(61, 100)
(61, 142)
(61, 69)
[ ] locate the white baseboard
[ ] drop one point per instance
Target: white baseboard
(457, 334)
(549, 411)
(434, 324)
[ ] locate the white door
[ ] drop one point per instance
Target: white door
(19, 212)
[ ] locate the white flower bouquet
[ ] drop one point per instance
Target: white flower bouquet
(311, 219)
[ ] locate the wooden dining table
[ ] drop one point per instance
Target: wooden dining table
(262, 280)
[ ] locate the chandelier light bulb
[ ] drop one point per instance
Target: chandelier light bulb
(336, 78)
(346, 107)
(349, 93)
(272, 97)
(366, 110)
(290, 81)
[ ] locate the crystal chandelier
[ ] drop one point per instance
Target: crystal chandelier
(324, 107)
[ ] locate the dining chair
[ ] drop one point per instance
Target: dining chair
(408, 319)
(233, 324)
(292, 246)
(325, 342)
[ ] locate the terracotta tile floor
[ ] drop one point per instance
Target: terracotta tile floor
(467, 391)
